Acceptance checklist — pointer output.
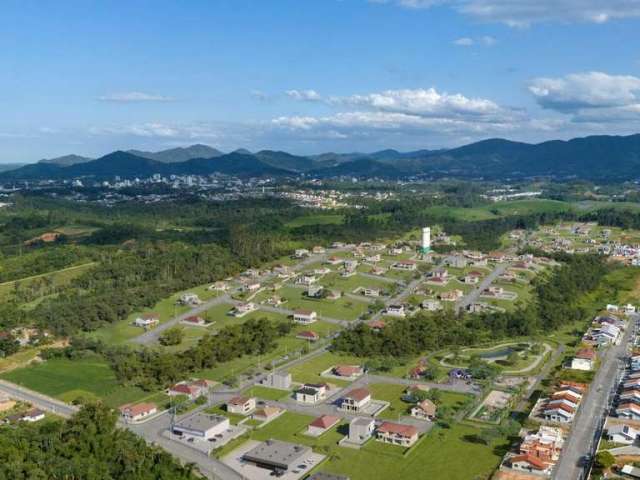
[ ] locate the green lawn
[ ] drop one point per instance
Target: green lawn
(309, 371)
(316, 220)
(57, 279)
(335, 282)
(266, 393)
(341, 309)
(69, 379)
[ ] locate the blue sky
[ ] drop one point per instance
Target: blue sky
(310, 76)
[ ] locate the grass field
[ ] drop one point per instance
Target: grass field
(316, 220)
(57, 279)
(342, 308)
(309, 371)
(69, 379)
(500, 209)
(122, 331)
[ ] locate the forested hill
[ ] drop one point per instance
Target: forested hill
(594, 158)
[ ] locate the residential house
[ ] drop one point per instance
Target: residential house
(361, 429)
(301, 253)
(241, 405)
(311, 393)
(305, 317)
(397, 434)
(306, 280)
(545, 444)
(243, 309)
(347, 371)
(451, 295)
(192, 389)
(355, 400)
(431, 305)
(33, 415)
(219, 286)
(584, 359)
(396, 311)
(621, 433)
(315, 291)
(267, 413)
(371, 292)
(189, 299)
(628, 410)
(138, 412)
(527, 463)
(308, 335)
(334, 260)
(318, 250)
(424, 410)
(407, 265)
(321, 424)
(195, 320)
(147, 320)
(280, 380)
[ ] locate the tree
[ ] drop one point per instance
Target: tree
(605, 460)
(172, 336)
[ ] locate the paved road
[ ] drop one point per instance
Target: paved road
(41, 401)
(473, 296)
(210, 467)
(152, 335)
(593, 409)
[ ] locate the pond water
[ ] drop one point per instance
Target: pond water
(496, 354)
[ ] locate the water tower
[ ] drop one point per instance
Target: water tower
(425, 246)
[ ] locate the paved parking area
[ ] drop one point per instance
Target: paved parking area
(250, 471)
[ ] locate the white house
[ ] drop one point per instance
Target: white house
(355, 400)
(311, 393)
(621, 433)
(396, 311)
(241, 405)
(147, 320)
(243, 309)
(305, 317)
(583, 360)
(371, 292)
(135, 413)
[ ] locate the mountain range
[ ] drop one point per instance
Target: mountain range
(600, 157)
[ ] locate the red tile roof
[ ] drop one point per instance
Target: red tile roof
(358, 394)
(531, 460)
(398, 429)
(325, 421)
(138, 409)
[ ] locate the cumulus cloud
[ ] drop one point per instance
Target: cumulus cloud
(464, 42)
(426, 103)
(304, 95)
(134, 97)
(521, 13)
(590, 96)
(486, 41)
(404, 113)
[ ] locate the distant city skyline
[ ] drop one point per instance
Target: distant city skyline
(312, 76)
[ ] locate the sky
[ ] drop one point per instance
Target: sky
(312, 76)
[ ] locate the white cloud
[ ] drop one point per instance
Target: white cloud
(464, 42)
(521, 13)
(590, 96)
(426, 103)
(134, 97)
(304, 95)
(486, 41)
(405, 113)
